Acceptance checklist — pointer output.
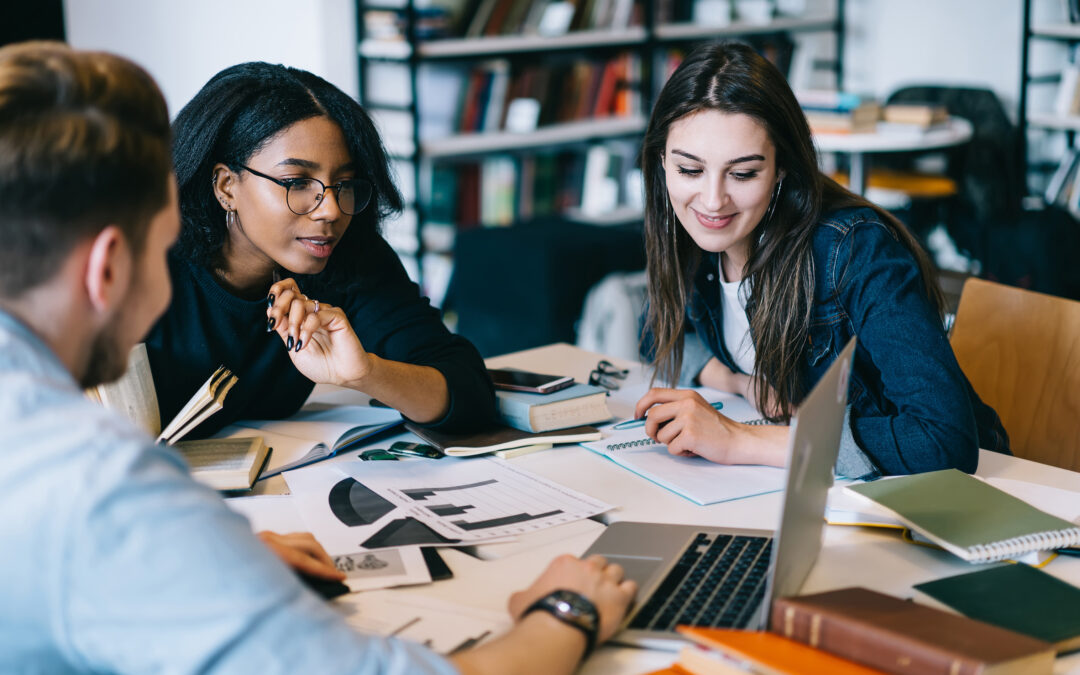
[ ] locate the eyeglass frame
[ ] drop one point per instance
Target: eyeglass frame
(288, 183)
(607, 375)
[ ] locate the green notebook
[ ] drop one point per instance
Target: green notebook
(1017, 597)
(969, 518)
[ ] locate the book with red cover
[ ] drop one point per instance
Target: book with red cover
(902, 637)
(765, 652)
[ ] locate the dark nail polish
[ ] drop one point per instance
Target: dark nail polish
(299, 343)
(270, 324)
(270, 300)
(289, 343)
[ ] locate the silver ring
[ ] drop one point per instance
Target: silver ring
(316, 306)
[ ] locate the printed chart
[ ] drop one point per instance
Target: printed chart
(356, 506)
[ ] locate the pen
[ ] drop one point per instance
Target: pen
(640, 422)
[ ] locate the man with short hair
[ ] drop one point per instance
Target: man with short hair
(111, 557)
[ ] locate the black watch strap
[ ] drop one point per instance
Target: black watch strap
(573, 609)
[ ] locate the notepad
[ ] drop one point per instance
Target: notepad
(694, 478)
(969, 518)
(1017, 597)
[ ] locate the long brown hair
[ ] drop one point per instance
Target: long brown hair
(731, 77)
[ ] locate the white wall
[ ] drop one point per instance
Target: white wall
(893, 43)
(182, 44)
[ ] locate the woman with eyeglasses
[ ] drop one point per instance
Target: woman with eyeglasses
(280, 272)
(774, 267)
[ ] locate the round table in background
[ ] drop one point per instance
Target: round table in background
(955, 131)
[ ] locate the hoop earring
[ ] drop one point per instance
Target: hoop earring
(772, 202)
(231, 219)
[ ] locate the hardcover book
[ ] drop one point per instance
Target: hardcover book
(230, 464)
(1016, 597)
(902, 637)
(574, 406)
(723, 651)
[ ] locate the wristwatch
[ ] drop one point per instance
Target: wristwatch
(573, 609)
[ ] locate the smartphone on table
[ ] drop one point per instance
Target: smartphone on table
(522, 380)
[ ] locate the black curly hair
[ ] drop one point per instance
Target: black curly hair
(238, 112)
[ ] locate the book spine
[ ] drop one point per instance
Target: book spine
(864, 643)
(515, 413)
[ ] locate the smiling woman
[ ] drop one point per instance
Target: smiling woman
(280, 271)
(770, 267)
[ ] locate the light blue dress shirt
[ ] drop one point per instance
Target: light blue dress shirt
(112, 559)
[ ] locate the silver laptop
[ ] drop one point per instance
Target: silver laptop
(722, 577)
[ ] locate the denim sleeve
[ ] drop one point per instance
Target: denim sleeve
(695, 355)
(927, 422)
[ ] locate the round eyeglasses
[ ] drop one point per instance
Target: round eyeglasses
(303, 195)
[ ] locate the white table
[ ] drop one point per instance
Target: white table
(851, 556)
(954, 132)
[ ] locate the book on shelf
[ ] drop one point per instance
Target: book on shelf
(314, 433)
(1019, 598)
(968, 517)
(902, 637)
(725, 651)
(235, 463)
(577, 405)
(499, 438)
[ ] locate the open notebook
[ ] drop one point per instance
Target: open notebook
(694, 478)
(313, 434)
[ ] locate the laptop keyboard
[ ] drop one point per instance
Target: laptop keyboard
(719, 581)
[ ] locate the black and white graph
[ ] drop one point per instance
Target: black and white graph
(368, 505)
(489, 497)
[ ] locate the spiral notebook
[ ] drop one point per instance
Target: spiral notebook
(969, 517)
(694, 478)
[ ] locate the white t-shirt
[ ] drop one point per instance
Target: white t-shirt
(737, 338)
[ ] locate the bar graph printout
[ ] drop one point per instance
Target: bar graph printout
(366, 505)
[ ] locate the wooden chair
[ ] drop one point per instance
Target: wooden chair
(1021, 352)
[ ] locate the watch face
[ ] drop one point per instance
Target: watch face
(576, 605)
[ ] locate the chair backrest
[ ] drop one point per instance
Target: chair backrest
(988, 169)
(1021, 352)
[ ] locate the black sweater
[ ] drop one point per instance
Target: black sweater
(206, 326)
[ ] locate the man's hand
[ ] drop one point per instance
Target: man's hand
(300, 551)
(595, 578)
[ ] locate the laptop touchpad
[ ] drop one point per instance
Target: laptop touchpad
(638, 568)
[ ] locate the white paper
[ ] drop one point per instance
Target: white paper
(385, 568)
(1064, 504)
(355, 506)
(365, 570)
(436, 624)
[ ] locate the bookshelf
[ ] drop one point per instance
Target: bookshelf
(1049, 101)
(443, 84)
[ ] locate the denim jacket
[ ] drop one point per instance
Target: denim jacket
(911, 409)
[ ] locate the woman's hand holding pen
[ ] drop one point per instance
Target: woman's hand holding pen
(688, 425)
(319, 338)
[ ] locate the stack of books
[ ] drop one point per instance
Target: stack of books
(857, 631)
(837, 112)
(577, 405)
